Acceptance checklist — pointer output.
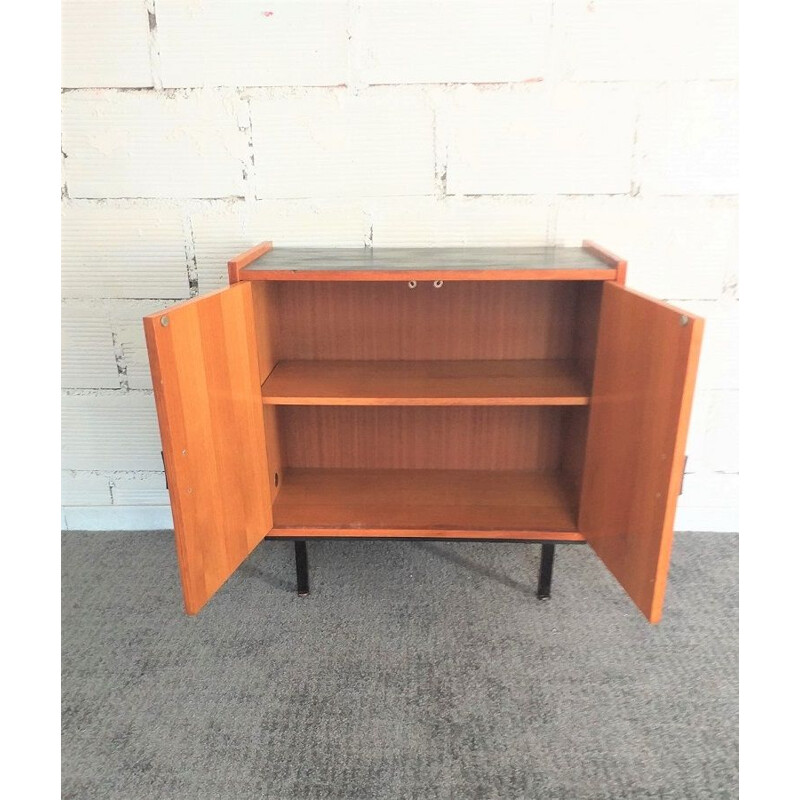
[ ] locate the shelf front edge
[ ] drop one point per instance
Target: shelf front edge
(535, 382)
(271, 400)
(419, 533)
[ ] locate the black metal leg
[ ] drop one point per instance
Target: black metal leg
(301, 562)
(546, 571)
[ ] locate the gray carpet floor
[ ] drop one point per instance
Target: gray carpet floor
(414, 670)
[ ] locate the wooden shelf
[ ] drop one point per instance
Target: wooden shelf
(425, 503)
(535, 382)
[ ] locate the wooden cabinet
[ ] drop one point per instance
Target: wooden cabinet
(450, 393)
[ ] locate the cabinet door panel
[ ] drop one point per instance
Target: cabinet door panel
(204, 361)
(645, 370)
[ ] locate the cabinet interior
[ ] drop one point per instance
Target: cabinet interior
(461, 407)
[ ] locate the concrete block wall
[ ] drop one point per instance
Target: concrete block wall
(193, 129)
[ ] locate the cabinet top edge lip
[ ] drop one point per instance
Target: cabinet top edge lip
(588, 262)
(498, 274)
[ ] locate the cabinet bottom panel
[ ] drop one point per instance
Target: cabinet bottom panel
(480, 504)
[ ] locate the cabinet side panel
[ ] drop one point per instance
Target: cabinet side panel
(205, 377)
(576, 427)
(265, 314)
(647, 355)
(587, 323)
(576, 423)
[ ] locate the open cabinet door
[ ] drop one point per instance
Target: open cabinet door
(204, 362)
(645, 371)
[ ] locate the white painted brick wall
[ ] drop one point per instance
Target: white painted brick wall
(473, 221)
(105, 43)
(88, 358)
(115, 431)
(686, 139)
(252, 43)
(123, 249)
(455, 42)
(193, 129)
(646, 40)
(153, 144)
(538, 139)
(333, 143)
(85, 489)
(677, 247)
(126, 320)
(139, 489)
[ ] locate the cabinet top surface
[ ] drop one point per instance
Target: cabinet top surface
(423, 259)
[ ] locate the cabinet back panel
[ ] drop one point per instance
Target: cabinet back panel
(460, 320)
(405, 437)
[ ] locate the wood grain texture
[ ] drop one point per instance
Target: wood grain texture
(238, 263)
(389, 321)
(265, 316)
(575, 428)
(425, 502)
(428, 263)
(413, 437)
(587, 322)
(647, 356)
(426, 383)
(607, 257)
(204, 361)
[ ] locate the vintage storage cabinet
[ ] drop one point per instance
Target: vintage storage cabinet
(496, 393)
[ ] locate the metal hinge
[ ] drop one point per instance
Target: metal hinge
(683, 477)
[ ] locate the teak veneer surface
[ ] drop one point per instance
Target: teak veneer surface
(388, 321)
(425, 501)
(512, 382)
(423, 437)
(453, 263)
(647, 355)
(505, 393)
(206, 382)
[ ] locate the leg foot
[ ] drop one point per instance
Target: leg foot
(546, 571)
(301, 563)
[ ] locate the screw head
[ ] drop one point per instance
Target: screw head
(684, 319)
(438, 284)
(165, 321)
(412, 284)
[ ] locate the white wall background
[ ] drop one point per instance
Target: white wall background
(193, 129)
